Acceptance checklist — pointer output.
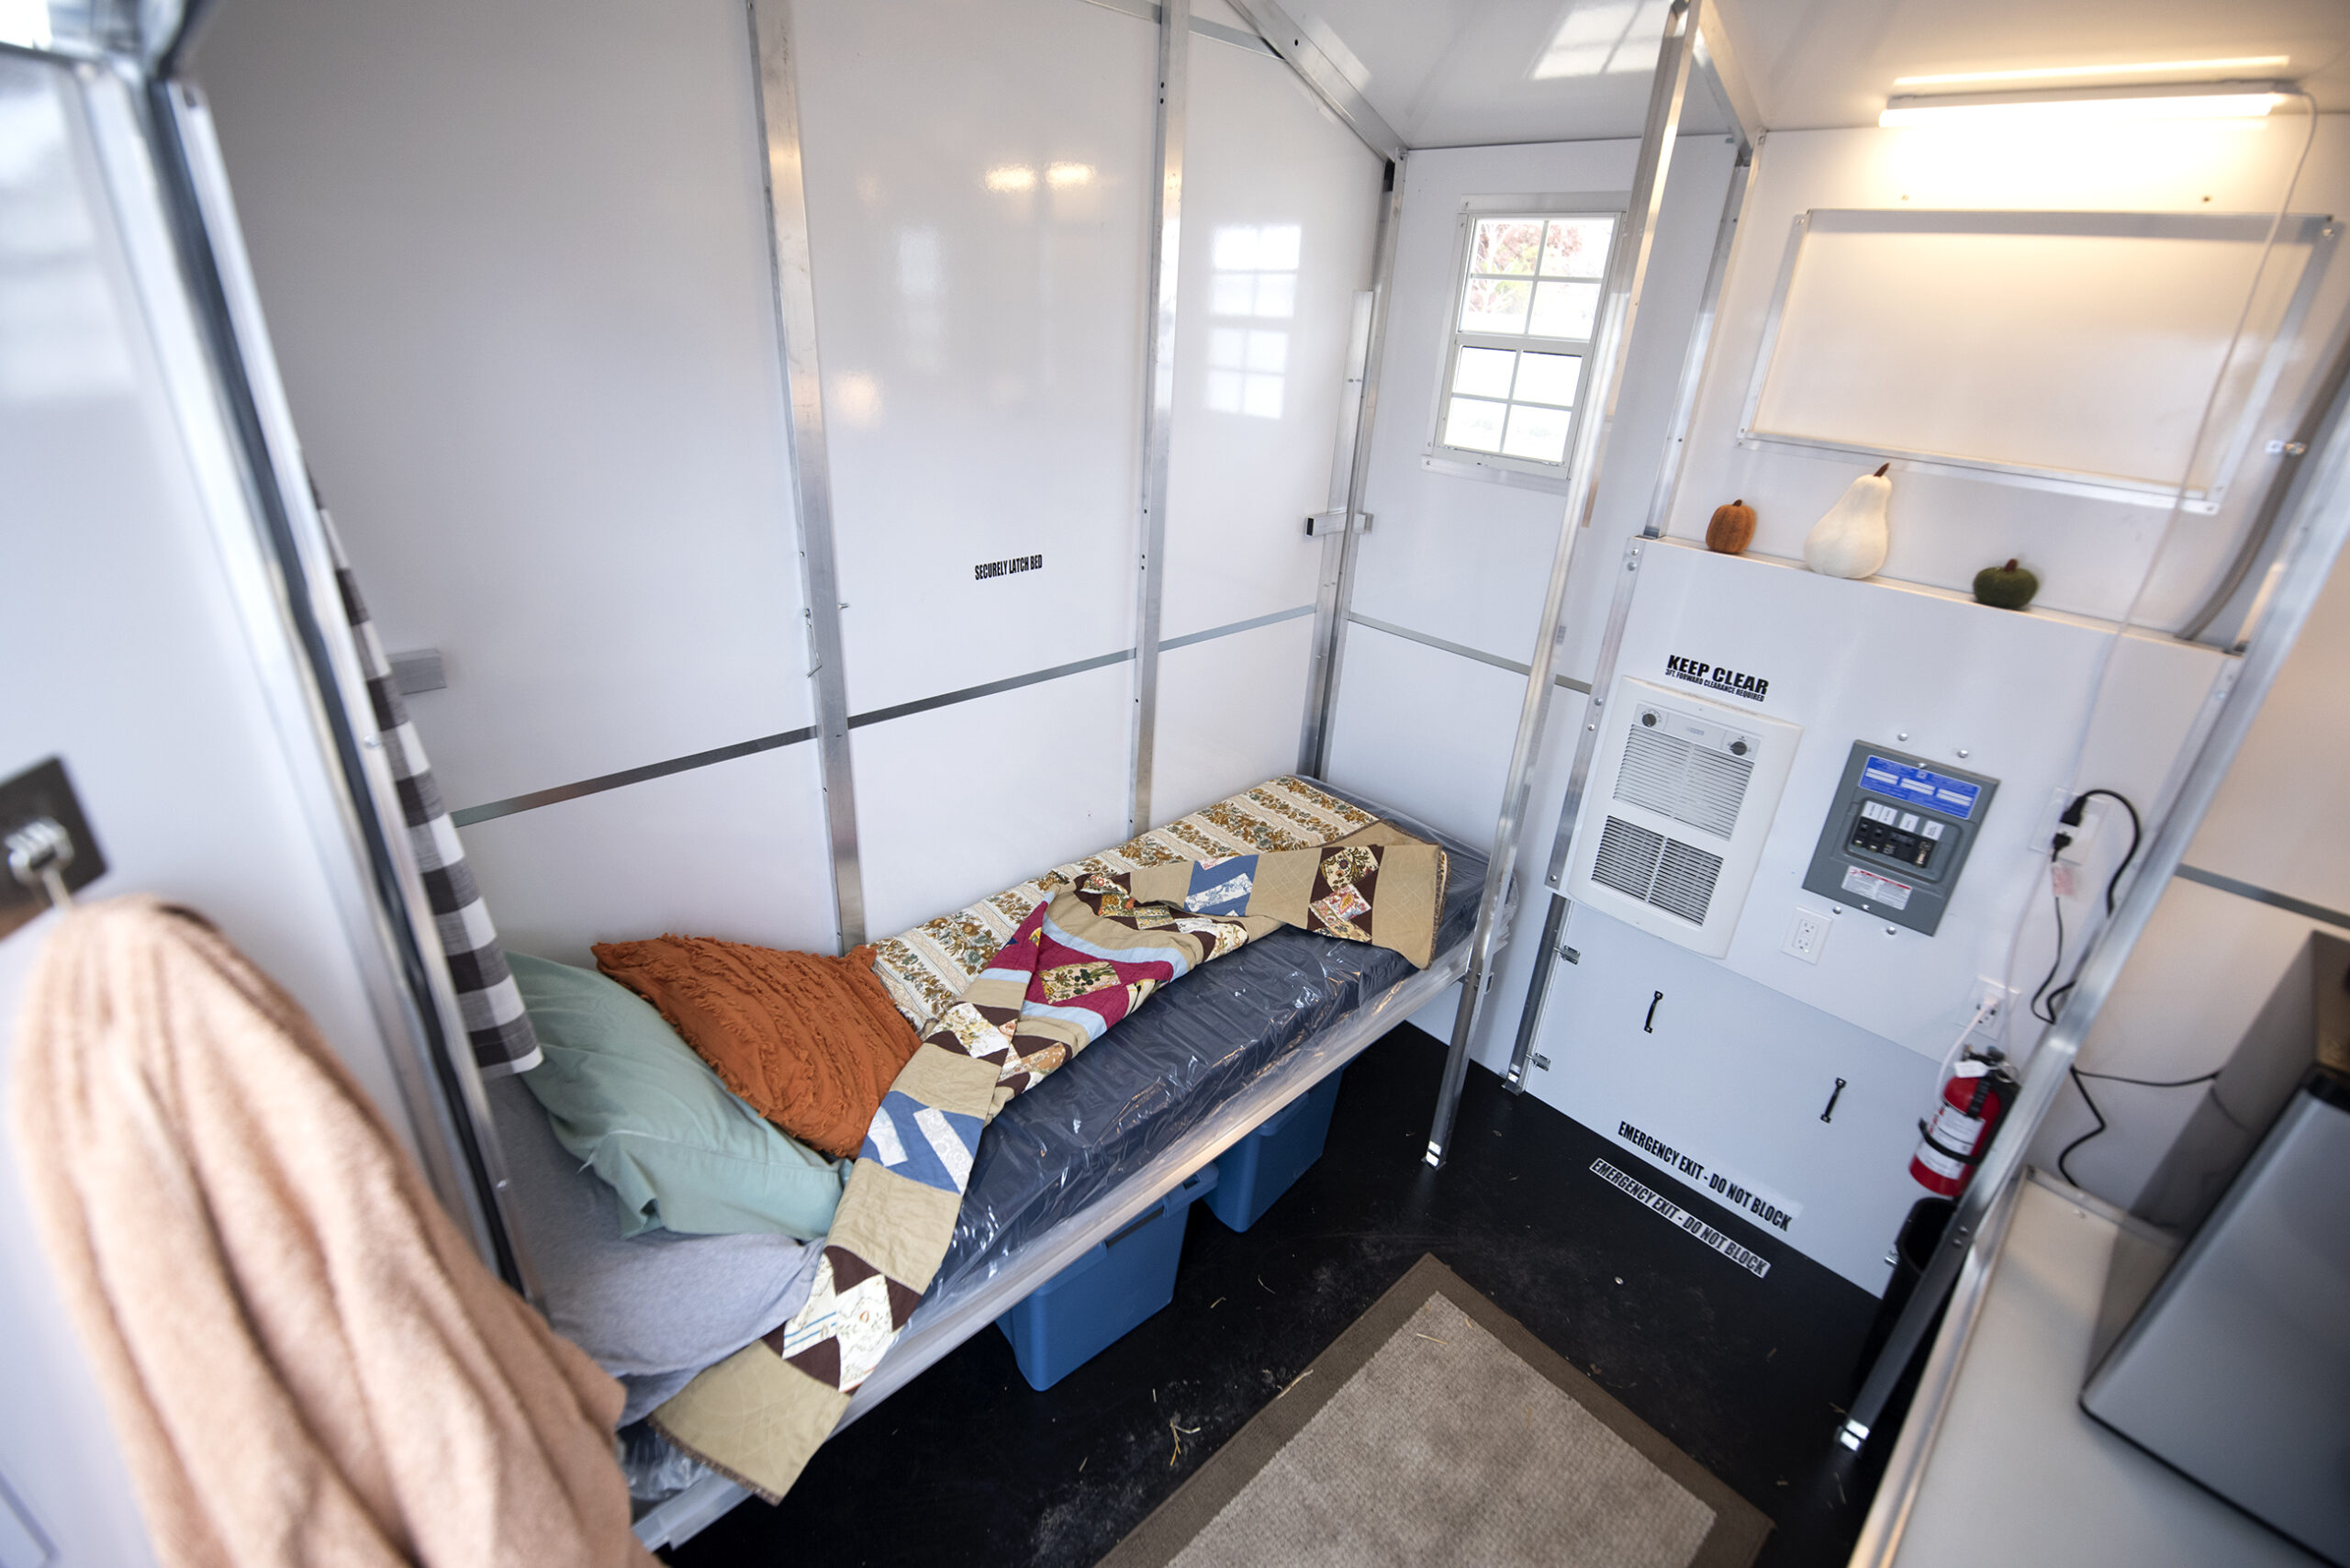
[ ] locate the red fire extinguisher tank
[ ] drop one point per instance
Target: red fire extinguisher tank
(1955, 1142)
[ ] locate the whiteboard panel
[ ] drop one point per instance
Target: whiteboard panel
(1229, 711)
(1279, 209)
(979, 191)
(515, 263)
(962, 801)
(2075, 343)
(734, 850)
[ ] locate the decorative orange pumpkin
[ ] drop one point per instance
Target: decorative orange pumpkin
(1732, 530)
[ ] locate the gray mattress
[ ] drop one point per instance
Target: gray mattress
(1171, 1065)
(655, 1308)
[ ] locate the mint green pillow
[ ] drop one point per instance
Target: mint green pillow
(631, 1099)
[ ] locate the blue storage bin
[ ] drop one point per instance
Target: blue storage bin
(1262, 1166)
(1083, 1310)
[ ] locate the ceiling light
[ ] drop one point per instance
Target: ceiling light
(2168, 69)
(2224, 100)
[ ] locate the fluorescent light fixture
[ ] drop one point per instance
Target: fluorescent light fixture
(2160, 70)
(2068, 106)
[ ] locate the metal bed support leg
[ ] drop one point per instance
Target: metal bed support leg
(1627, 274)
(2312, 548)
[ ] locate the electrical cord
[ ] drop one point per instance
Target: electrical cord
(2054, 1000)
(2079, 1076)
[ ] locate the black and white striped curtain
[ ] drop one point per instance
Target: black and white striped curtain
(499, 1030)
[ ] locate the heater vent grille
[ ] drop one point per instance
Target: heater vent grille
(1693, 784)
(1676, 877)
(1684, 881)
(1626, 858)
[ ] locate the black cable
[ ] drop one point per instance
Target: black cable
(2072, 818)
(2078, 1075)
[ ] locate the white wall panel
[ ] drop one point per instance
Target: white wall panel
(1427, 731)
(1228, 710)
(1467, 559)
(2210, 959)
(2090, 553)
(719, 851)
(979, 188)
(962, 801)
(515, 260)
(1736, 1076)
(1279, 211)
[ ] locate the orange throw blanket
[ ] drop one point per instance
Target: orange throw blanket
(304, 1360)
(809, 1042)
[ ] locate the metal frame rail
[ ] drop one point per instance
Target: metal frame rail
(1619, 306)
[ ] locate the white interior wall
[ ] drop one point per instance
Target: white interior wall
(2212, 957)
(516, 264)
(1262, 157)
(132, 656)
(2090, 553)
(1466, 560)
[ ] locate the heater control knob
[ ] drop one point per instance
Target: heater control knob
(1738, 749)
(1649, 720)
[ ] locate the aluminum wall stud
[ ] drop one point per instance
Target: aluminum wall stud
(777, 97)
(1159, 399)
(1626, 276)
(1334, 593)
(1668, 483)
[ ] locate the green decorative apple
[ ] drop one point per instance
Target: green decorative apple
(2005, 587)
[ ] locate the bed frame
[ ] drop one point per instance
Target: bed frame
(974, 1301)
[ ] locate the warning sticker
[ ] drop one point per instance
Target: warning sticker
(1754, 1263)
(1877, 890)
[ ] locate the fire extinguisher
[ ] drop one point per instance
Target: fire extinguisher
(1954, 1143)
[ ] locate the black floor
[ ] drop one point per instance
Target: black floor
(971, 1466)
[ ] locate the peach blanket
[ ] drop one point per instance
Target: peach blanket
(305, 1361)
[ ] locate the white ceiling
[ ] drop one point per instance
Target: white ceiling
(1465, 73)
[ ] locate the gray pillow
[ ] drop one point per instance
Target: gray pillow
(653, 1309)
(630, 1100)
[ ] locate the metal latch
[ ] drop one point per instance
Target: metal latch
(1321, 524)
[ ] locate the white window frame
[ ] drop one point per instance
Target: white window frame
(1500, 467)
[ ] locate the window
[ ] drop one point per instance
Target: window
(1528, 305)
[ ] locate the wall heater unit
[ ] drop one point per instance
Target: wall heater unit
(1680, 800)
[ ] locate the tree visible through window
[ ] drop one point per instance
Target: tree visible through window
(1528, 302)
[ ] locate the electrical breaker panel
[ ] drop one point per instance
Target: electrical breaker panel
(1897, 835)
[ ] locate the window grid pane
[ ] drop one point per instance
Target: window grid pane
(1534, 279)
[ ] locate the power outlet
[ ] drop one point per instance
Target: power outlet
(1808, 934)
(1993, 1001)
(2083, 834)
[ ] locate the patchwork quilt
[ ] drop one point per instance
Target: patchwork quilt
(1089, 948)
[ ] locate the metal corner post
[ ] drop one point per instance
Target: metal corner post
(775, 92)
(1158, 398)
(1694, 365)
(1626, 277)
(2312, 548)
(1334, 591)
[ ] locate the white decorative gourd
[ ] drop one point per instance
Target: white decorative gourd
(1851, 541)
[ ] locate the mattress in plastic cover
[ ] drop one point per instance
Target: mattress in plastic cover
(1170, 1066)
